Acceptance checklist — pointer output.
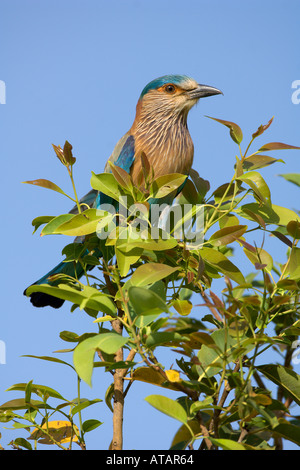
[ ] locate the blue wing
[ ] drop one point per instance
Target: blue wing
(122, 156)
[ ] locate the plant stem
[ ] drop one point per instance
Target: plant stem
(74, 189)
(118, 406)
(78, 401)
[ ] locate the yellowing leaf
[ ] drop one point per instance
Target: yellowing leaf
(55, 431)
(173, 375)
(102, 319)
(150, 376)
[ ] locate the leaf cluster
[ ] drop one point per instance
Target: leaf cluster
(149, 294)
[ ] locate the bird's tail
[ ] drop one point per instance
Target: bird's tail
(40, 299)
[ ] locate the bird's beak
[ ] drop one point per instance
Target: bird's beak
(202, 91)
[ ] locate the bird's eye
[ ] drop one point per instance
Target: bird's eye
(170, 88)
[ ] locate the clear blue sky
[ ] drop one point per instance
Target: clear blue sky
(74, 71)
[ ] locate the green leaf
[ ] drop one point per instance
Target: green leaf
(163, 337)
(293, 268)
(168, 406)
(109, 394)
(49, 358)
(127, 257)
(288, 431)
(293, 228)
(269, 416)
(288, 284)
(183, 435)
(90, 425)
(107, 184)
(73, 251)
(166, 184)
(201, 184)
(183, 307)
(55, 222)
(228, 220)
(253, 162)
(28, 391)
(84, 404)
(189, 193)
(80, 224)
(271, 215)
(284, 214)
(258, 184)
(226, 191)
(283, 377)
(214, 357)
(227, 235)
(90, 260)
(219, 261)
(83, 356)
(69, 336)
(227, 444)
(158, 240)
(37, 389)
(292, 177)
(38, 221)
(88, 297)
(235, 130)
(20, 404)
(145, 301)
(158, 288)
(155, 239)
(20, 441)
(150, 273)
(260, 258)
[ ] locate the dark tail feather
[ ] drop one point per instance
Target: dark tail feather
(39, 299)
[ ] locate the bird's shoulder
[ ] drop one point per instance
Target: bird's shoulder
(123, 153)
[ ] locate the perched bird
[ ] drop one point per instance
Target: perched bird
(160, 132)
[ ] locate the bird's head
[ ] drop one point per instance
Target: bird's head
(173, 94)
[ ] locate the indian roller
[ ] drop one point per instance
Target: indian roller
(159, 131)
